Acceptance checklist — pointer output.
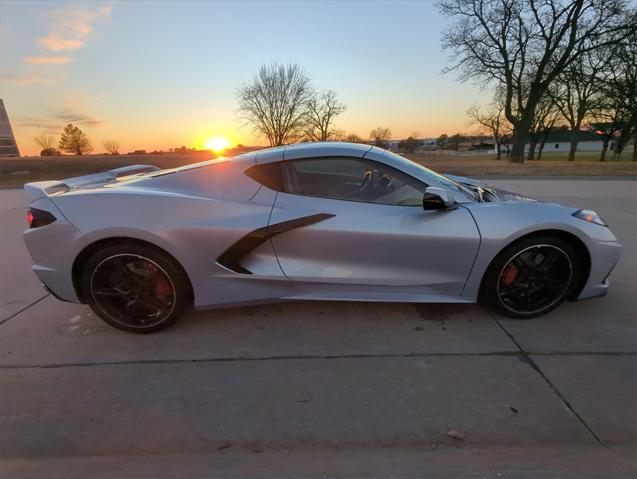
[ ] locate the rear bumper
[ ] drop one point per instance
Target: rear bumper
(57, 282)
(52, 248)
(54, 294)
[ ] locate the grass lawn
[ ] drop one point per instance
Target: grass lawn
(552, 164)
(14, 172)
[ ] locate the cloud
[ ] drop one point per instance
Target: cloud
(69, 107)
(72, 25)
(44, 60)
(67, 115)
(56, 122)
(46, 124)
(31, 78)
(58, 44)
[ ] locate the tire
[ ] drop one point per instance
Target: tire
(135, 288)
(517, 285)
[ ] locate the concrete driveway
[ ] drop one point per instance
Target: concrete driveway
(324, 389)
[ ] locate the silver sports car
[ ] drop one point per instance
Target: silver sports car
(317, 221)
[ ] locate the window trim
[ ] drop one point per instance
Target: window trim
(411, 180)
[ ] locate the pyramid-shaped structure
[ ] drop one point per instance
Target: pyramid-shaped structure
(8, 146)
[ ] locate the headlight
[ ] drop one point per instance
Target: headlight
(591, 216)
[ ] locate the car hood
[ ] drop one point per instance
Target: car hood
(490, 194)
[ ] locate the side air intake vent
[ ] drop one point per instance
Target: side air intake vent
(231, 257)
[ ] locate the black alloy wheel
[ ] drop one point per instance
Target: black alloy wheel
(531, 277)
(134, 288)
(534, 279)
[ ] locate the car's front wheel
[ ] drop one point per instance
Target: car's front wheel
(135, 288)
(531, 277)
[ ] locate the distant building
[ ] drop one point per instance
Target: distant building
(391, 145)
(182, 149)
(8, 146)
(482, 146)
(394, 145)
(560, 140)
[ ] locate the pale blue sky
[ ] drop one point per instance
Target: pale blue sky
(162, 74)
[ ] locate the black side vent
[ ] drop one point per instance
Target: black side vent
(231, 257)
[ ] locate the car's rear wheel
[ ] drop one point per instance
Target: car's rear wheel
(135, 288)
(531, 277)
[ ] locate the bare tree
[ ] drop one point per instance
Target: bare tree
(111, 146)
(576, 89)
(621, 91)
(494, 121)
(442, 141)
(47, 144)
(353, 138)
(380, 135)
(523, 45)
(410, 145)
(454, 141)
(74, 141)
(621, 140)
(322, 109)
(546, 115)
(276, 102)
(615, 114)
(44, 141)
(606, 127)
(338, 134)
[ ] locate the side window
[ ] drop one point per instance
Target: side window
(351, 179)
(268, 175)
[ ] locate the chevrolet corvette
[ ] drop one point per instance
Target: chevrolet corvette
(315, 221)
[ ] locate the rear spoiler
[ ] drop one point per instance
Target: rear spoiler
(42, 189)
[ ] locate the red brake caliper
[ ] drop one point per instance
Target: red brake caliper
(509, 274)
(160, 286)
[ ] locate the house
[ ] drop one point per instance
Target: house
(560, 140)
(425, 144)
(8, 146)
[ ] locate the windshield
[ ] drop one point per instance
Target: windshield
(408, 165)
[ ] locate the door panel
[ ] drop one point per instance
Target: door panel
(372, 244)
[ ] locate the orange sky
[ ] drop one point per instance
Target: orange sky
(165, 77)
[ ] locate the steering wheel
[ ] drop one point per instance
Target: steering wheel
(366, 181)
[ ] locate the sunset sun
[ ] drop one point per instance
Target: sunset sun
(217, 144)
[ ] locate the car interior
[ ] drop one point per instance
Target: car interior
(351, 179)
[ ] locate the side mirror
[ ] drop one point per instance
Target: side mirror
(437, 199)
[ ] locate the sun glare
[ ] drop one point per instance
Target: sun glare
(217, 144)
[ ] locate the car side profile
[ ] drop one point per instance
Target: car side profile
(316, 221)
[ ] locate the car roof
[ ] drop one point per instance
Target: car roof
(307, 150)
(326, 147)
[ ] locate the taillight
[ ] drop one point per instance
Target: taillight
(37, 218)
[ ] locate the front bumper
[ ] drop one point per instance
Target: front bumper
(604, 258)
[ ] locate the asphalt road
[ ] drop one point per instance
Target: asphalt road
(324, 389)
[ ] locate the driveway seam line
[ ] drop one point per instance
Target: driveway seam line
(533, 365)
(23, 309)
(294, 358)
(256, 359)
